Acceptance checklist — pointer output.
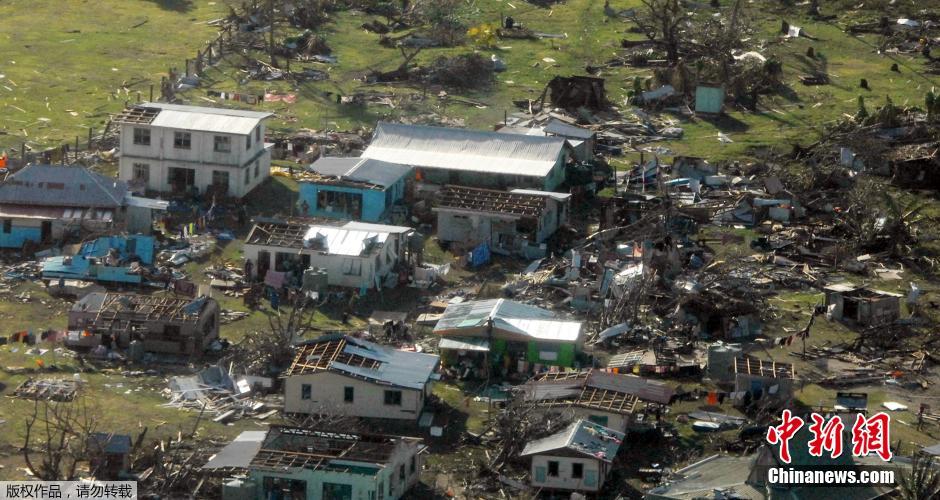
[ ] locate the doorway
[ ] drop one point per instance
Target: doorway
(45, 230)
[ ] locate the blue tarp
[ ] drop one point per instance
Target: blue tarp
(80, 266)
(480, 255)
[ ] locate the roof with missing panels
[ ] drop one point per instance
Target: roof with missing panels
(62, 186)
(351, 238)
(340, 450)
(490, 201)
(467, 150)
(584, 437)
(195, 118)
(363, 359)
(590, 380)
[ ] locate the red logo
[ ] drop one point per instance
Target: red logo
(869, 435)
(783, 433)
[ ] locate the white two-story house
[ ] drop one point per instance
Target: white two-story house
(172, 148)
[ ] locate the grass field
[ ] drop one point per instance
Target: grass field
(67, 64)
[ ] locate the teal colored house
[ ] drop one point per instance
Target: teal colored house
(118, 259)
(318, 464)
(353, 188)
(505, 337)
(49, 203)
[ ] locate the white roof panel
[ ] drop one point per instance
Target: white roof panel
(205, 119)
(467, 150)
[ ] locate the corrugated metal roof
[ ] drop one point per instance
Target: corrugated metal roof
(584, 437)
(366, 170)
(476, 313)
(399, 368)
(552, 330)
(468, 150)
(136, 201)
(550, 194)
(642, 388)
(205, 119)
(62, 186)
(559, 127)
(507, 315)
(353, 239)
(465, 344)
(340, 241)
(239, 453)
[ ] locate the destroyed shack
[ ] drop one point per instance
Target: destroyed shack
(115, 259)
(353, 254)
(321, 463)
(506, 337)
(353, 188)
(756, 379)
(576, 459)
(344, 376)
(160, 324)
(46, 203)
(512, 223)
(862, 306)
(173, 148)
(108, 455)
(442, 155)
(574, 92)
(604, 398)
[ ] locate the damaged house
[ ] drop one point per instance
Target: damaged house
(474, 158)
(517, 222)
(353, 188)
(344, 376)
(576, 459)
(763, 379)
(46, 203)
(354, 255)
(601, 397)
(161, 324)
(318, 463)
(862, 306)
(116, 259)
(172, 148)
(506, 336)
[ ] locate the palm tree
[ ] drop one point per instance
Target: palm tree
(922, 482)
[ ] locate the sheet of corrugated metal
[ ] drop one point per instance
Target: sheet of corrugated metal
(469, 150)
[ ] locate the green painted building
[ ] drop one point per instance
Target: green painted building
(505, 336)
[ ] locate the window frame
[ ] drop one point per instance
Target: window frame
(142, 136)
(349, 394)
(396, 399)
(577, 470)
(553, 464)
(221, 144)
(306, 392)
(182, 140)
(136, 168)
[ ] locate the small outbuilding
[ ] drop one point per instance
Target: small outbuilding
(353, 188)
(861, 305)
(575, 459)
